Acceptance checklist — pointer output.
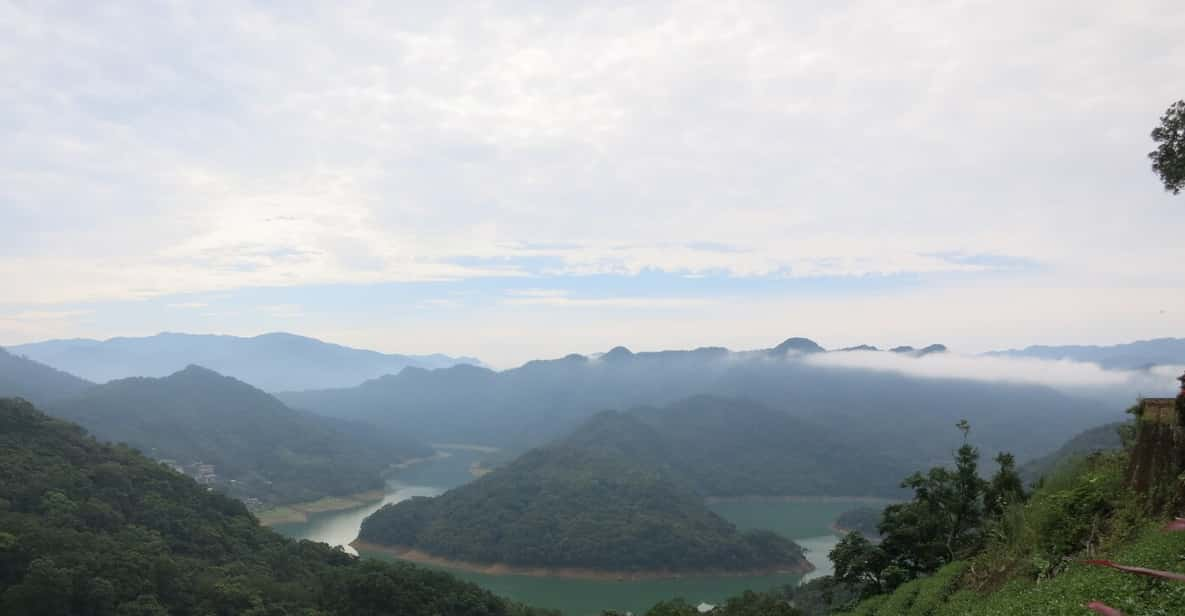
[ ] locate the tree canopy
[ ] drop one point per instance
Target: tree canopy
(98, 530)
(945, 521)
(1168, 159)
(257, 446)
(602, 499)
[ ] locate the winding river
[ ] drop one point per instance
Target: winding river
(806, 522)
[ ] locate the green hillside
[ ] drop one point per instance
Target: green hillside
(256, 446)
(1030, 556)
(736, 447)
(572, 506)
(24, 378)
(95, 530)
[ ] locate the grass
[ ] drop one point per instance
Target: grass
(1032, 564)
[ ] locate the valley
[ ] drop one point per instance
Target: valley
(527, 308)
(804, 520)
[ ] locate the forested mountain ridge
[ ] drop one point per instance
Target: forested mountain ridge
(98, 530)
(255, 445)
(272, 362)
(872, 411)
(727, 447)
(24, 378)
(737, 447)
(586, 504)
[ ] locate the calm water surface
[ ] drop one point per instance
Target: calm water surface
(805, 522)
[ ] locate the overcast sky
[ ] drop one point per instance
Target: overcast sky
(526, 179)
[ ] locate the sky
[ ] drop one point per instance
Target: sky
(527, 179)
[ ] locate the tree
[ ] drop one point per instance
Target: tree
(859, 563)
(1168, 159)
(943, 522)
(1005, 488)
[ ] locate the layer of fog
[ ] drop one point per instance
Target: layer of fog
(1074, 376)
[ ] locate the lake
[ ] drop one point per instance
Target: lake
(806, 522)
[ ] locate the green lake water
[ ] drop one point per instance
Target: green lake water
(806, 522)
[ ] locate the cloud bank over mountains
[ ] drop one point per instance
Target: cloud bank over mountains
(457, 154)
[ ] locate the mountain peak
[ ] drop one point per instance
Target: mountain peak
(618, 352)
(860, 347)
(797, 345)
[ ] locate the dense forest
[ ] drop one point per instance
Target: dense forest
(733, 447)
(257, 447)
(93, 529)
(565, 506)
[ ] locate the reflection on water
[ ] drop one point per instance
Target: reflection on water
(808, 523)
(341, 527)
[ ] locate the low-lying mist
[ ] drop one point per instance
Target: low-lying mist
(1082, 378)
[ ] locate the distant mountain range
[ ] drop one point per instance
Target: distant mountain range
(272, 362)
(881, 414)
(1130, 356)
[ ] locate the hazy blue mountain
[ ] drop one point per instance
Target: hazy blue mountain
(272, 362)
(884, 415)
(1130, 356)
(38, 383)
(256, 445)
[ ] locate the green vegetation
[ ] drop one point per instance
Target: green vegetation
(575, 505)
(864, 415)
(96, 530)
(731, 447)
(1103, 438)
(950, 515)
(1168, 159)
(1029, 558)
(257, 447)
(24, 378)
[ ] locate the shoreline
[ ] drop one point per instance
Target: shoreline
(298, 513)
(406, 464)
(575, 573)
(466, 447)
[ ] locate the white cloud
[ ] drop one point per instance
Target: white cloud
(947, 365)
(173, 150)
